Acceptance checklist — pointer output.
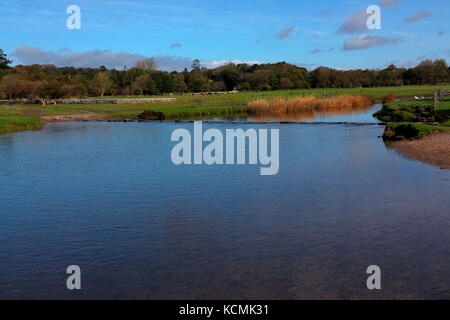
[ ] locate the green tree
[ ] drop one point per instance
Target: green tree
(4, 61)
(195, 65)
(230, 76)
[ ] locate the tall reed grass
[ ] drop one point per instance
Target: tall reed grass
(292, 105)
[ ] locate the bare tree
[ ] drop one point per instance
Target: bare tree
(148, 64)
(102, 82)
(13, 86)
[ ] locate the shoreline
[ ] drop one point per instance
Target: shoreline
(96, 117)
(90, 116)
(433, 149)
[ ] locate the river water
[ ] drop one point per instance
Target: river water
(106, 197)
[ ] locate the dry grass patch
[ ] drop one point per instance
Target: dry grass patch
(292, 105)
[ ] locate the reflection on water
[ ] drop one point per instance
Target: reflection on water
(328, 115)
(336, 114)
(106, 197)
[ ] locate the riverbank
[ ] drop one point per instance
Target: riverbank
(433, 149)
(88, 116)
(409, 119)
(418, 129)
(186, 107)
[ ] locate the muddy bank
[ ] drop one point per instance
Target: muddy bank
(433, 149)
(89, 116)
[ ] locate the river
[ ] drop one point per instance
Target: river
(106, 197)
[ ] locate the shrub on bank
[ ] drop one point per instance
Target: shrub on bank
(151, 115)
(410, 131)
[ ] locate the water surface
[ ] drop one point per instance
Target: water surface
(106, 197)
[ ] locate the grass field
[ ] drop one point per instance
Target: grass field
(190, 106)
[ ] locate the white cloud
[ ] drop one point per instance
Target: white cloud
(316, 50)
(171, 63)
(366, 41)
(309, 66)
(355, 23)
(218, 63)
(387, 3)
(417, 16)
(285, 33)
(94, 59)
(404, 64)
(64, 58)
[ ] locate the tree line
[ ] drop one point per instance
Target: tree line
(49, 81)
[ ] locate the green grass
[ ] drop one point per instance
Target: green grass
(443, 106)
(376, 93)
(11, 124)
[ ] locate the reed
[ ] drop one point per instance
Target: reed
(292, 105)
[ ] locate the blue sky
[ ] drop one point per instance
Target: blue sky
(308, 33)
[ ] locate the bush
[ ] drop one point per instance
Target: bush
(151, 115)
(442, 115)
(402, 116)
(389, 134)
(401, 132)
(406, 131)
